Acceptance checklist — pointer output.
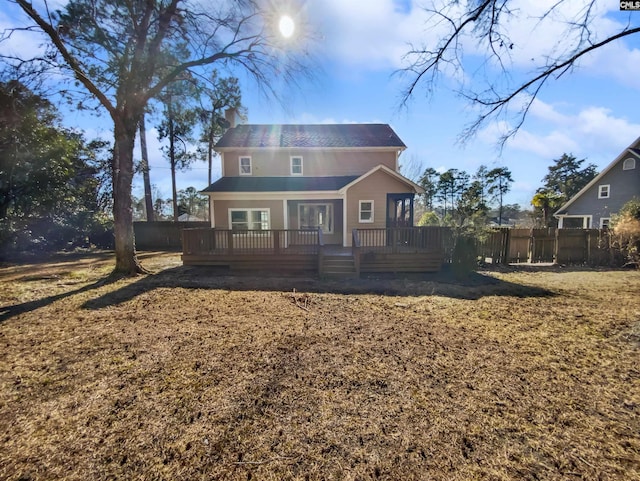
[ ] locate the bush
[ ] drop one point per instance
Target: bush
(626, 233)
(35, 236)
(429, 218)
(465, 258)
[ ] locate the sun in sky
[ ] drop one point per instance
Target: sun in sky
(287, 26)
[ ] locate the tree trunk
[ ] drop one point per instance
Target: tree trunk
(148, 200)
(126, 259)
(172, 160)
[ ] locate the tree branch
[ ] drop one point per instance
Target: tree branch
(70, 59)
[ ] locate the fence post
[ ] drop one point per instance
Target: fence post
(506, 247)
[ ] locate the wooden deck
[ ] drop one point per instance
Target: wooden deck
(405, 249)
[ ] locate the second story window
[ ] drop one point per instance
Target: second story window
(603, 191)
(245, 165)
(296, 165)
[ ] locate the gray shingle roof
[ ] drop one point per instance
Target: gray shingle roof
(306, 136)
(279, 184)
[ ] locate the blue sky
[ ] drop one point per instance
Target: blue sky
(359, 44)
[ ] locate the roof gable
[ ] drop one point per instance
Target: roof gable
(388, 171)
(633, 149)
(311, 136)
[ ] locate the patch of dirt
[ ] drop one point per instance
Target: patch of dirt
(192, 374)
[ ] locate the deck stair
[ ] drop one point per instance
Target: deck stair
(338, 265)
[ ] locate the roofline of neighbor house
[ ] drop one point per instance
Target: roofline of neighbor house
(597, 178)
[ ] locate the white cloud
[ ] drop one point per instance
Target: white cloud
(378, 35)
(593, 132)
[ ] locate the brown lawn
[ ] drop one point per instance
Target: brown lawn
(188, 374)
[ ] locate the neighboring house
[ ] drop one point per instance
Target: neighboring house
(332, 177)
(593, 206)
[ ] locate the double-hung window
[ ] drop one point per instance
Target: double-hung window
(249, 219)
(604, 191)
(365, 211)
(245, 165)
(296, 165)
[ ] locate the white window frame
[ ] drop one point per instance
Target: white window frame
(587, 220)
(291, 165)
(602, 221)
(330, 210)
(601, 189)
(361, 211)
(249, 211)
(629, 164)
(240, 165)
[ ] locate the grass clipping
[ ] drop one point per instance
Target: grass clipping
(533, 375)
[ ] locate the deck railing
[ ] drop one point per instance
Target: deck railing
(402, 239)
(250, 242)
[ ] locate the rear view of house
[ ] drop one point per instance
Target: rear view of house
(327, 198)
(329, 177)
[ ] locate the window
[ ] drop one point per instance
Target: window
(296, 165)
(575, 222)
(603, 191)
(249, 219)
(365, 211)
(245, 165)
(629, 164)
(312, 216)
(604, 222)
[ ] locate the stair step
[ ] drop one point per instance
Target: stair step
(338, 266)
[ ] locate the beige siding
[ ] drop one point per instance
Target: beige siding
(277, 163)
(374, 187)
(221, 211)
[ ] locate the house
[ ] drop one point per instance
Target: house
(313, 197)
(603, 197)
(332, 177)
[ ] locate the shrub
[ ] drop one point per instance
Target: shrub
(626, 232)
(465, 258)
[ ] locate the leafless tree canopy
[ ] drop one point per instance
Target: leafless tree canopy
(485, 25)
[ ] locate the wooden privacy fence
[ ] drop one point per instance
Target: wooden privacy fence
(162, 234)
(563, 246)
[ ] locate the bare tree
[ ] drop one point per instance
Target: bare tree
(486, 24)
(114, 49)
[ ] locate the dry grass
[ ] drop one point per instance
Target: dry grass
(191, 375)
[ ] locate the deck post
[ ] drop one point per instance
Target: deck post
(320, 252)
(355, 250)
(230, 241)
(394, 239)
(276, 241)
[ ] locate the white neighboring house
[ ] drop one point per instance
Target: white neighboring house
(604, 196)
